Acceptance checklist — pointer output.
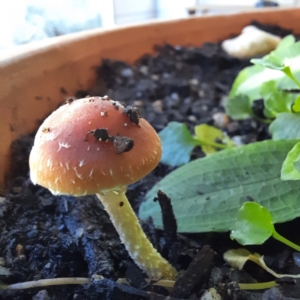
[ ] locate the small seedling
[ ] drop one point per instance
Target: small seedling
(237, 259)
(254, 226)
(178, 142)
(93, 166)
(271, 78)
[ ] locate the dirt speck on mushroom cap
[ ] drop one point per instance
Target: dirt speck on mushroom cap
(68, 160)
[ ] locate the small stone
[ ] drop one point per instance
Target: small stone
(79, 232)
(233, 127)
(211, 294)
(157, 106)
(4, 271)
(41, 295)
(48, 203)
(48, 266)
(201, 93)
(204, 107)
(2, 261)
(62, 227)
(296, 257)
(144, 70)
(192, 118)
(273, 293)
(32, 234)
(155, 77)
(194, 81)
(221, 120)
(127, 72)
(138, 103)
(174, 96)
(237, 140)
(250, 43)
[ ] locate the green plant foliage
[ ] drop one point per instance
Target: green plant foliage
(282, 66)
(238, 107)
(286, 41)
(275, 101)
(271, 78)
(220, 183)
(254, 226)
(286, 126)
(208, 135)
(288, 170)
(178, 143)
(296, 105)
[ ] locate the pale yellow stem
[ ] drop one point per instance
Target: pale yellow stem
(133, 237)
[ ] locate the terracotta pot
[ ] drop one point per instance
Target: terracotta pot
(35, 78)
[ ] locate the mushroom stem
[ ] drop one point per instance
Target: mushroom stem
(133, 237)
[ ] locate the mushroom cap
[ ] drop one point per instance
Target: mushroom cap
(67, 159)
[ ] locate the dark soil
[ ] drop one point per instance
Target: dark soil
(43, 236)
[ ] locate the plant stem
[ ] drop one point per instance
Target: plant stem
(282, 239)
(257, 286)
(213, 144)
(131, 234)
(46, 282)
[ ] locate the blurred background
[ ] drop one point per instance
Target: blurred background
(24, 21)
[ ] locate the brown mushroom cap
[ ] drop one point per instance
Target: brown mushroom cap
(67, 159)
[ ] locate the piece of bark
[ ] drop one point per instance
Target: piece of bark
(168, 217)
(197, 273)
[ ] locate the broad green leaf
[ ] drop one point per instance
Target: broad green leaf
(253, 226)
(286, 126)
(248, 82)
(243, 85)
(275, 101)
(286, 42)
(271, 62)
(177, 144)
(297, 164)
(207, 134)
(238, 107)
(207, 193)
(296, 105)
(288, 170)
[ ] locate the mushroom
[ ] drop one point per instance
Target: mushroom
(91, 147)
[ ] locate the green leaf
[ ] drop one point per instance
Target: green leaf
(296, 105)
(288, 170)
(275, 101)
(177, 144)
(271, 62)
(248, 82)
(253, 226)
(208, 136)
(243, 85)
(297, 164)
(238, 107)
(220, 183)
(286, 42)
(286, 126)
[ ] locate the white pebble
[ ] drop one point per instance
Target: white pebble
(250, 43)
